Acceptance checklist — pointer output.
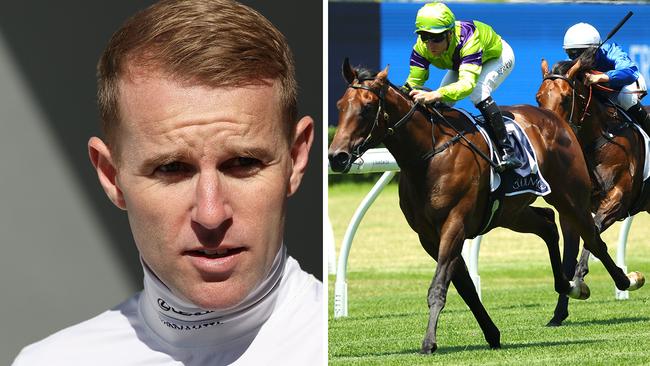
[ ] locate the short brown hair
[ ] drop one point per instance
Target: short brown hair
(216, 43)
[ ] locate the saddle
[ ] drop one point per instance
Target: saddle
(525, 179)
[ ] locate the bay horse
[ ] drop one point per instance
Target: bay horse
(614, 153)
(444, 184)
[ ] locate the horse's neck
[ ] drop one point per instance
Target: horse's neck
(411, 141)
(594, 124)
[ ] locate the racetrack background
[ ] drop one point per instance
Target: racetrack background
(380, 34)
(389, 274)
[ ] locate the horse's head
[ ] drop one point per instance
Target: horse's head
(563, 90)
(363, 120)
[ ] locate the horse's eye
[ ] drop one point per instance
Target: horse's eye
(366, 109)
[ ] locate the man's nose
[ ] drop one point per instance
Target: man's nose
(211, 207)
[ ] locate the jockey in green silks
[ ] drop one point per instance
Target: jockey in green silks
(478, 60)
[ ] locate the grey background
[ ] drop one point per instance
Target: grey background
(67, 252)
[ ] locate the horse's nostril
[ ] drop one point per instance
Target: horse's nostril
(339, 160)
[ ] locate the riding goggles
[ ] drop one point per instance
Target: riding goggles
(574, 53)
(433, 37)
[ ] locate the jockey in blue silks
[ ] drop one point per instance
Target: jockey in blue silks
(619, 72)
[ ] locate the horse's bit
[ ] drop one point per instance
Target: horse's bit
(571, 83)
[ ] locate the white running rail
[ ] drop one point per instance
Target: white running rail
(381, 161)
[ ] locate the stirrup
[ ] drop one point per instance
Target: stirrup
(508, 162)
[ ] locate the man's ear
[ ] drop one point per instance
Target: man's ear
(300, 152)
(100, 157)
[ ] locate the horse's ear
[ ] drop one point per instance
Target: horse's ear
(383, 74)
(348, 73)
(572, 71)
(544, 68)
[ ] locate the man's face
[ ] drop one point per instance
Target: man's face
(574, 53)
(437, 43)
(204, 174)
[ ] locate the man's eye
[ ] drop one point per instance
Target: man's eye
(173, 168)
(242, 166)
(245, 162)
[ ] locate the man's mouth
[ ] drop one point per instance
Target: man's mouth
(214, 253)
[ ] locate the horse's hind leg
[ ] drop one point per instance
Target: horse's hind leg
(465, 287)
(570, 253)
(541, 222)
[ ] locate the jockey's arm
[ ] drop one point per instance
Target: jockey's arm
(418, 69)
(425, 97)
(596, 78)
(625, 71)
(467, 76)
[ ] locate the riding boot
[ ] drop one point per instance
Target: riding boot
(492, 114)
(640, 116)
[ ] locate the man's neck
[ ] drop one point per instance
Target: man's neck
(180, 323)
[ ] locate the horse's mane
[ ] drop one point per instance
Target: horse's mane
(587, 62)
(364, 73)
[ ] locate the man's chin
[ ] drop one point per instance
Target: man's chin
(222, 295)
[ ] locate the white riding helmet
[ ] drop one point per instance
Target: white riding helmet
(581, 35)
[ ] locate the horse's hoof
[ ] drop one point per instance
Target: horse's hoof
(636, 280)
(557, 319)
(428, 347)
(579, 290)
(495, 344)
(493, 338)
(554, 323)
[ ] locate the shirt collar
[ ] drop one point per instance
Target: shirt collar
(180, 323)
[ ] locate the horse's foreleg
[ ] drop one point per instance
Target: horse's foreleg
(451, 241)
(582, 268)
(465, 287)
(581, 219)
(608, 212)
(632, 281)
(610, 209)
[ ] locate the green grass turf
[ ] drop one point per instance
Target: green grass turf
(389, 274)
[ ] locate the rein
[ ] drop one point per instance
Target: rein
(607, 89)
(606, 135)
(571, 83)
(381, 94)
(459, 135)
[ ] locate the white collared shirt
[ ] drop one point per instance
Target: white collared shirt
(280, 323)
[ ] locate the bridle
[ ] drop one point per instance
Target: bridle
(571, 83)
(390, 130)
(381, 113)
